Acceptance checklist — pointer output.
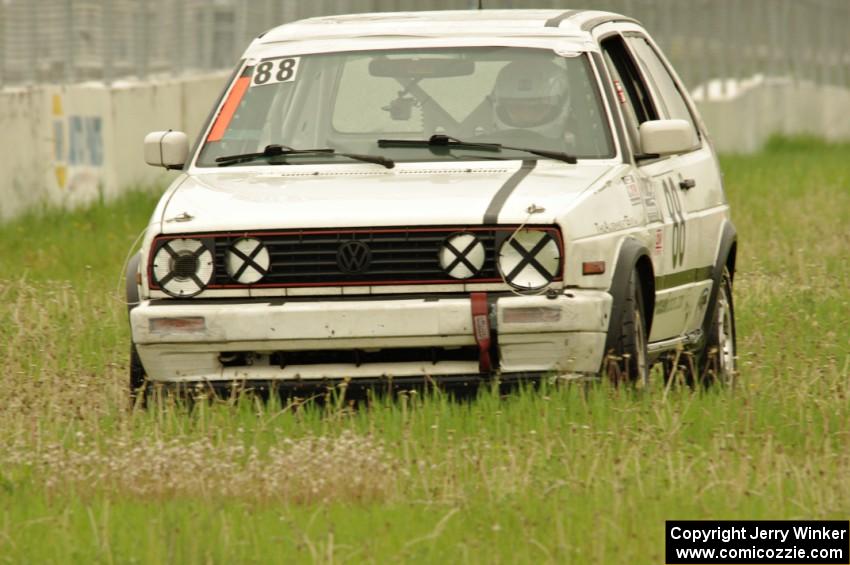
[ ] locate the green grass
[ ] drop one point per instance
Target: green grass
(561, 474)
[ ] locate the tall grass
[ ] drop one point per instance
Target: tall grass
(557, 474)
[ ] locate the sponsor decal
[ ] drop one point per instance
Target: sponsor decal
(621, 96)
(659, 241)
(607, 227)
(482, 327)
(668, 304)
(632, 189)
(653, 214)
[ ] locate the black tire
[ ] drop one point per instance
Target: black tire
(627, 362)
(715, 362)
(138, 379)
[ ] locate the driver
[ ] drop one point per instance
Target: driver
(530, 103)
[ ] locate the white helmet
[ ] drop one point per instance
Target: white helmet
(529, 94)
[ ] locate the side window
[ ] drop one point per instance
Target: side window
(654, 69)
(631, 91)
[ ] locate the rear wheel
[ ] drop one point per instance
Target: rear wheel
(715, 362)
(627, 361)
(718, 359)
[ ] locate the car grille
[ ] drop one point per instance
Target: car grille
(397, 256)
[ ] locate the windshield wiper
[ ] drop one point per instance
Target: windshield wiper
(282, 151)
(439, 141)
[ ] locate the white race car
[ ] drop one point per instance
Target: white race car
(443, 197)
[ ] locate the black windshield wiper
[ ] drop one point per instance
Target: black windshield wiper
(438, 142)
(283, 151)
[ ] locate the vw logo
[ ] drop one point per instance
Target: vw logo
(353, 257)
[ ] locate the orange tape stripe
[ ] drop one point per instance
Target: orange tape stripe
(229, 108)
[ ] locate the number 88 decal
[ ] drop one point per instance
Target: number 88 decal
(275, 71)
(674, 207)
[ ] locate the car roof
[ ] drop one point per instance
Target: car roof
(570, 23)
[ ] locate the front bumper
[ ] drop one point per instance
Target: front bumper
(564, 334)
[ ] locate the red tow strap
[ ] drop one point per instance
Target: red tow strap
(481, 329)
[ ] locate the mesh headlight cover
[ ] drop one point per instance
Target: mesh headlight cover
(247, 261)
(183, 267)
(462, 256)
(530, 259)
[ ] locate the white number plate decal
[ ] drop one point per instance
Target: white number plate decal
(274, 71)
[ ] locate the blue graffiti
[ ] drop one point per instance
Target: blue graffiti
(85, 141)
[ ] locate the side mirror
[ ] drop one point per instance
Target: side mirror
(666, 137)
(168, 149)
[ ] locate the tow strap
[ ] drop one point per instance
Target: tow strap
(481, 329)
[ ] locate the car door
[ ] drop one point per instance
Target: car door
(694, 189)
(667, 183)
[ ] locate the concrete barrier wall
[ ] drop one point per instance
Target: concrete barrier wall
(742, 117)
(70, 145)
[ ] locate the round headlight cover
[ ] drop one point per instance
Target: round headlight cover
(530, 259)
(183, 267)
(462, 255)
(247, 261)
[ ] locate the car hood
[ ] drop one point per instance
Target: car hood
(362, 196)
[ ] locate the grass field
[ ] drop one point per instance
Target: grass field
(560, 474)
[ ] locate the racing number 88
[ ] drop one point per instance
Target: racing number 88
(285, 71)
(674, 206)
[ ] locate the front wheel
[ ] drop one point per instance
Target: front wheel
(626, 362)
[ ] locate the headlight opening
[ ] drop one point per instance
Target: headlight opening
(529, 259)
(247, 261)
(183, 267)
(462, 255)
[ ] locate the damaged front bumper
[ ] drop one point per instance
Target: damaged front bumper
(286, 340)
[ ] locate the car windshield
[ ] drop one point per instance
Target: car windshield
(521, 97)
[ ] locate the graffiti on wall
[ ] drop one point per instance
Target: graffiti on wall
(77, 149)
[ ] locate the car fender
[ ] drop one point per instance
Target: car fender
(632, 253)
